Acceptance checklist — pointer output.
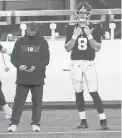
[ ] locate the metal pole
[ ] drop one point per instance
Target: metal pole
(4, 5)
(72, 7)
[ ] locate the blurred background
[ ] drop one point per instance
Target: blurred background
(13, 27)
(53, 16)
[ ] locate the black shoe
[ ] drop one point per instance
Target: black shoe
(83, 124)
(104, 125)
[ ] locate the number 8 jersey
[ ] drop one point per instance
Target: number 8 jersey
(82, 49)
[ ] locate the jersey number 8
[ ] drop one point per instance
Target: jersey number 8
(82, 43)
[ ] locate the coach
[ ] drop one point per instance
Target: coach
(30, 56)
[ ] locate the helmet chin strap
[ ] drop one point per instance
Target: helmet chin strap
(82, 21)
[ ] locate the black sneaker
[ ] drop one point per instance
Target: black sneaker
(104, 125)
(83, 124)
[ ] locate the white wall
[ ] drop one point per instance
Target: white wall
(58, 84)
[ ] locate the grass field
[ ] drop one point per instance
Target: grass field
(63, 123)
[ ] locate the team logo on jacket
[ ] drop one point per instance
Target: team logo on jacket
(30, 48)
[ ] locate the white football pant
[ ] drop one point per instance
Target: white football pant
(84, 69)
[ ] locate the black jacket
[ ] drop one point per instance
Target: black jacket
(31, 51)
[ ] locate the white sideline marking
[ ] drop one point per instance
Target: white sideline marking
(110, 126)
(115, 126)
(67, 132)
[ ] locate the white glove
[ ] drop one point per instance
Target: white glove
(87, 31)
(77, 31)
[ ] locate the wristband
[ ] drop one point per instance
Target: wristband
(74, 37)
(89, 37)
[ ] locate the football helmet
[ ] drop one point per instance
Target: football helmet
(83, 11)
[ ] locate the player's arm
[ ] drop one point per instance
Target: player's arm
(94, 38)
(71, 39)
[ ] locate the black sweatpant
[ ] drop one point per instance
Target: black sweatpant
(20, 99)
(2, 97)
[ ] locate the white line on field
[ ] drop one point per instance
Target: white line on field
(67, 132)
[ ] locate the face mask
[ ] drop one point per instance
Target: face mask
(32, 29)
(30, 33)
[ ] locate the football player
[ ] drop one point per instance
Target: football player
(83, 40)
(5, 108)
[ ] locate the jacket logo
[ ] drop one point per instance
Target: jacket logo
(30, 48)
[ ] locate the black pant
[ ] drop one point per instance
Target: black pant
(20, 99)
(2, 98)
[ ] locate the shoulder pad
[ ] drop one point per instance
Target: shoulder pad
(99, 28)
(72, 23)
(95, 22)
(97, 25)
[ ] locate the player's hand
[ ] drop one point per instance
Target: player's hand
(77, 31)
(3, 50)
(31, 69)
(87, 31)
(23, 67)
